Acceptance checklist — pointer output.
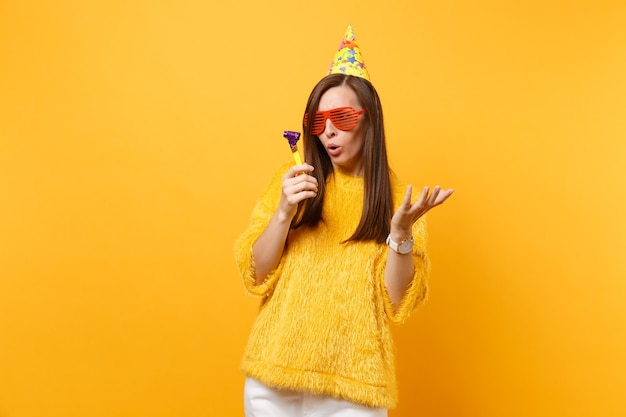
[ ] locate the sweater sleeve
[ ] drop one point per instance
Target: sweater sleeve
(259, 219)
(417, 290)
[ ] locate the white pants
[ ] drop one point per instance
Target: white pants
(263, 401)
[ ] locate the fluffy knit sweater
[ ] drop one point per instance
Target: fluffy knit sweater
(324, 321)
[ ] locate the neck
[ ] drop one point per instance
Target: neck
(356, 171)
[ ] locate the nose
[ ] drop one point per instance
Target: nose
(329, 129)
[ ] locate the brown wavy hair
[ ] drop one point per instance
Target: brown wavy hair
(377, 200)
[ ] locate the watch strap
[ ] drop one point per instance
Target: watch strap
(396, 246)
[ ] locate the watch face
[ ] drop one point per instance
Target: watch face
(406, 246)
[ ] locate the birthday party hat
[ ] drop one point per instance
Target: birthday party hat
(348, 59)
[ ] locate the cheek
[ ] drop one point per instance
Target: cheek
(362, 128)
(359, 136)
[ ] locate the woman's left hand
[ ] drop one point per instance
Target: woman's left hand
(407, 213)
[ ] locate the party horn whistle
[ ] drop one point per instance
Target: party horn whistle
(293, 138)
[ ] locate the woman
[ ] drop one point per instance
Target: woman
(336, 250)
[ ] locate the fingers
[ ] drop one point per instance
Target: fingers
(303, 186)
(437, 197)
(407, 195)
(423, 197)
(299, 169)
(444, 195)
(298, 184)
(428, 199)
(440, 197)
(296, 170)
(432, 200)
(408, 213)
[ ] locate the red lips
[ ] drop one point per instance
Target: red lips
(333, 150)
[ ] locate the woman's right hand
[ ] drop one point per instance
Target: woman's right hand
(298, 185)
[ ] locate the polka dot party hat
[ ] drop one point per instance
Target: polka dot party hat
(348, 59)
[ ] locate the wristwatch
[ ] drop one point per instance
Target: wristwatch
(403, 247)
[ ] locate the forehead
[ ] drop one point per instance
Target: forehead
(340, 96)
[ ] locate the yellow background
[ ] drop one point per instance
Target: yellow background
(135, 137)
